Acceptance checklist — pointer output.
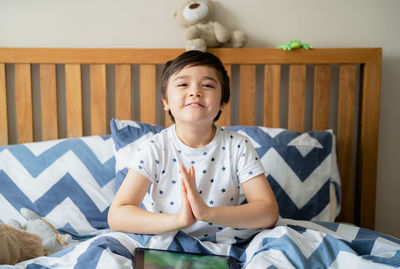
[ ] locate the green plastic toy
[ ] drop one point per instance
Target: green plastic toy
(294, 44)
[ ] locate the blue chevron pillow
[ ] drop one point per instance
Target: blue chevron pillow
(70, 182)
(127, 135)
(300, 167)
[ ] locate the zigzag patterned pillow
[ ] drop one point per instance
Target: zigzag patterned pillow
(70, 182)
(300, 167)
(127, 135)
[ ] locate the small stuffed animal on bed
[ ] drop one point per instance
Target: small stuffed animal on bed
(52, 240)
(202, 32)
(18, 245)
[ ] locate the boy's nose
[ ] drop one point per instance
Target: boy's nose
(195, 92)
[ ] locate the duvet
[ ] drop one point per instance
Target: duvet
(290, 244)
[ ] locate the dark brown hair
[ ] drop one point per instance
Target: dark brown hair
(196, 58)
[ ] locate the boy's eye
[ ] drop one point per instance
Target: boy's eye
(182, 85)
(208, 85)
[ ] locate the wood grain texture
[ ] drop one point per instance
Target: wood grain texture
(297, 97)
(345, 135)
(123, 92)
(98, 104)
(48, 96)
(23, 91)
(73, 99)
(321, 100)
(3, 107)
(247, 95)
(148, 93)
(160, 56)
(272, 95)
(368, 143)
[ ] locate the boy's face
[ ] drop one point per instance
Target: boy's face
(194, 94)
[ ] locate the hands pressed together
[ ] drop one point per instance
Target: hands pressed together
(193, 207)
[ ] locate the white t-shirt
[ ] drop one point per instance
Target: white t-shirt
(220, 167)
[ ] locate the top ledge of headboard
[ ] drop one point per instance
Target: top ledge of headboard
(159, 56)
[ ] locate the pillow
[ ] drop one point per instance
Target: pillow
(300, 167)
(70, 182)
(127, 135)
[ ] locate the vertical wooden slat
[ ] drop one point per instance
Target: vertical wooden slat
(272, 95)
(48, 95)
(23, 88)
(123, 93)
(148, 93)
(247, 94)
(368, 144)
(225, 118)
(3, 107)
(73, 99)
(322, 74)
(297, 97)
(345, 134)
(98, 105)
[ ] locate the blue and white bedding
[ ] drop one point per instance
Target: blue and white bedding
(71, 183)
(291, 244)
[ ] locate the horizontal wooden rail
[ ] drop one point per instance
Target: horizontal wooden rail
(160, 56)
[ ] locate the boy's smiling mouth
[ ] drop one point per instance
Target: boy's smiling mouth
(194, 104)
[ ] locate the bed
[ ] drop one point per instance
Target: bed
(69, 117)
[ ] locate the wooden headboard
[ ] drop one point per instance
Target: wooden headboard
(56, 93)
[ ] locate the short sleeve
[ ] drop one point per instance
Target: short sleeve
(248, 163)
(144, 160)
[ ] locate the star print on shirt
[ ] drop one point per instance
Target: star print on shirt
(173, 181)
(204, 171)
(212, 180)
(171, 203)
(211, 202)
(161, 192)
(223, 190)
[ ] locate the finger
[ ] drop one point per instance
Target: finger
(192, 173)
(184, 190)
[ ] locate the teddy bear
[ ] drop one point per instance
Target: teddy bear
(35, 228)
(18, 245)
(202, 32)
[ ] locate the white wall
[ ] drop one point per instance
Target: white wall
(150, 24)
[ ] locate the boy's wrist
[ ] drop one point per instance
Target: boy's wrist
(206, 214)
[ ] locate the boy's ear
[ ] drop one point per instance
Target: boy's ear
(165, 103)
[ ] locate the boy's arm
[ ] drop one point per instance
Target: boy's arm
(260, 211)
(125, 214)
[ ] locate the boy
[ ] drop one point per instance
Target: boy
(194, 167)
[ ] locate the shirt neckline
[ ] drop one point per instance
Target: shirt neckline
(180, 145)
